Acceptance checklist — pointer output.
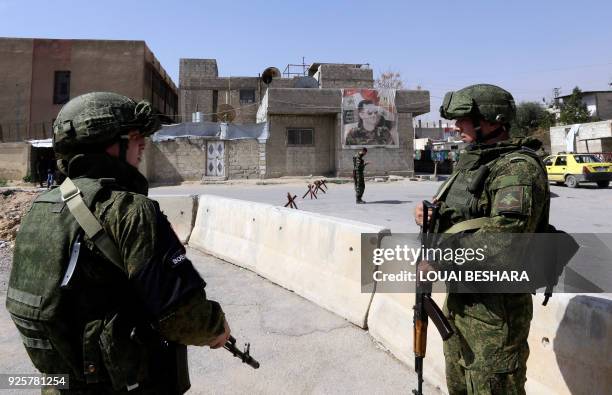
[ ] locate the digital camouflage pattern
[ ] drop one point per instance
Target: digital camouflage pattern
(485, 101)
(157, 288)
(92, 121)
(489, 352)
(358, 178)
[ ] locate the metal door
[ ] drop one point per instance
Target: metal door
(215, 159)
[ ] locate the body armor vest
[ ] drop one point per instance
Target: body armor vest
(83, 321)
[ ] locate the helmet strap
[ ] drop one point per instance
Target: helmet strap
(123, 147)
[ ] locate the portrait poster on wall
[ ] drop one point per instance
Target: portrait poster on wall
(369, 118)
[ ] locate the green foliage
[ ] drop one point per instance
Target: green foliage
(28, 178)
(530, 116)
(573, 110)
(2, 182)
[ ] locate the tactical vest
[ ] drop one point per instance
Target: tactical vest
(83, 319)
(463, 191)
(466, 210)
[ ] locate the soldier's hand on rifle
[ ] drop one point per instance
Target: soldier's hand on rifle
(220, 340)
(418, 214)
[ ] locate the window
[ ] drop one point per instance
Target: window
(548, 161)
(561, 161)
(247, 96)
(61, 87)
(300, 136)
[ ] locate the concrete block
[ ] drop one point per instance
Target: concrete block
(181, 212)
(570, 343)
(316, 256)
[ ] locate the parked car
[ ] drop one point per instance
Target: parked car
(574, 169)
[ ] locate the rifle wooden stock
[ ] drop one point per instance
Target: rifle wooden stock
(420, 338)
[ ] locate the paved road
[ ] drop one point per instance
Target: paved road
(390, 204)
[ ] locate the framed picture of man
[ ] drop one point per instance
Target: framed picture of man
(369, 118)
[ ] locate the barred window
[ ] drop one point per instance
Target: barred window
(247, 96)
(297, 136)
(61, 87)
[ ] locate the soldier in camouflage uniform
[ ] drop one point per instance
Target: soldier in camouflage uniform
(358, 167)
(488, 353)
(101, 288)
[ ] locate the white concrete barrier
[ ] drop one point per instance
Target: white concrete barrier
(181, 212)
(570, 342)
(316, 256)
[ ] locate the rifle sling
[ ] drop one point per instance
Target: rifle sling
(71, 195)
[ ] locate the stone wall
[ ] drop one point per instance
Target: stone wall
(345, 76)
(14, 160)
(184, 159)
(242, 159)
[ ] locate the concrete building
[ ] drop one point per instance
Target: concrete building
(599, 103)
(37, 76)
(593, 137)
(303, 120)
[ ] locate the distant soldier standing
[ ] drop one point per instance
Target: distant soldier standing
(358, 167)
(488, 353)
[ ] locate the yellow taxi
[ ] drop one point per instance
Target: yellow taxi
(574, 169)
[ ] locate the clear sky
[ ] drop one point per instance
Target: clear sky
(526, 46)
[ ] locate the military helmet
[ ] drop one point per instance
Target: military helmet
(93, 121)
(481, 101)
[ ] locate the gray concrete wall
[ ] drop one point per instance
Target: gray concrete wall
(174, 161)
(14, 160)
(345, 76)
(184, 159)
(283, 160)
(604, 105)
(588, 139)
(242, 160)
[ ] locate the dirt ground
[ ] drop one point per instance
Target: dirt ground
(14, 203)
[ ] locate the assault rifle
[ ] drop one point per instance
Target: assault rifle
(230, 346)
(424, 306)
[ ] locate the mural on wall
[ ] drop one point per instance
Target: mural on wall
(369, 118)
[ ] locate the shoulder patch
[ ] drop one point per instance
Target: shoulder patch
(509, 200)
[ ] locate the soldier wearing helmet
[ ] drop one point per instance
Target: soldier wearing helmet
(101, 288)
(498, 186)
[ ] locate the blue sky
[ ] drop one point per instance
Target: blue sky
(527, 47)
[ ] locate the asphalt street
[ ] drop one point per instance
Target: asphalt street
(390, 204)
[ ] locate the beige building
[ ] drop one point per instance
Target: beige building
(303, 125)
(37, 76)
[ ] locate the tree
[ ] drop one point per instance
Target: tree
(573, 110)
(530, 116)
(389, 80)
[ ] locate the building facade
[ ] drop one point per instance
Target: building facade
(305, 124)
(599, 104)
(38, 76)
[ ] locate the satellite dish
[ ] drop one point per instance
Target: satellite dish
(226, 113)
(306, 82)
(269, 74)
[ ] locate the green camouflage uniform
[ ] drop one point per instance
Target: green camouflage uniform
(358, 168)
(115, 325)
(488, 353)
(381, 135)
